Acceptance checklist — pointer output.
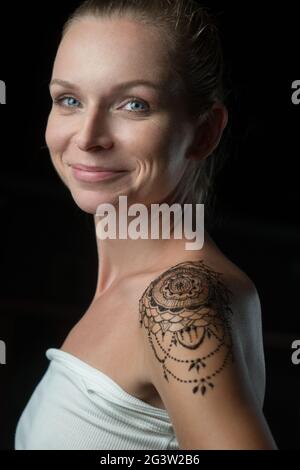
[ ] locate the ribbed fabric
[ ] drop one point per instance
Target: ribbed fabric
(75, 406)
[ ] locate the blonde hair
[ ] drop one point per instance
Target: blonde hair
(197, 61)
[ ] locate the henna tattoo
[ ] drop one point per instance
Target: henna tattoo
(188, 307)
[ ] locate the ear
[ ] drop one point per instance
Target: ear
(208, 132)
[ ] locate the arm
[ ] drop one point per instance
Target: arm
(195, 361)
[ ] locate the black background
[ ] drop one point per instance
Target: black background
(48, 251)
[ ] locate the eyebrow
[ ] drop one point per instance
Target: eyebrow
(121, 86)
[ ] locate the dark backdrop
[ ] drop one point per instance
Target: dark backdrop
(48, 251)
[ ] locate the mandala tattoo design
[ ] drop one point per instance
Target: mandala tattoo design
(187, 308)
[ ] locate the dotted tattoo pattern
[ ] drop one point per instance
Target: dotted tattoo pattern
(185, 307)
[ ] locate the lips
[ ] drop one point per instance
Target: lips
(94, 174)
(94, 168)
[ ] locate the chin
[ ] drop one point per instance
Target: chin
(88, 201)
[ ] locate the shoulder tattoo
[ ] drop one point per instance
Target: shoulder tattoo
(187, 309)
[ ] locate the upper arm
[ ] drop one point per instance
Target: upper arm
(195, 362)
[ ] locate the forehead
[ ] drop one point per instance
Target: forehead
(110, 48)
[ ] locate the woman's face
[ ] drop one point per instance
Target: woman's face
(98, 119)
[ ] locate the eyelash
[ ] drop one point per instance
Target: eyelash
(58, 101)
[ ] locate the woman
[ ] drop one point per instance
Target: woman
(169, 353)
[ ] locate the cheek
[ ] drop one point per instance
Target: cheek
(162, 149)
(56, 136)
(159, 159)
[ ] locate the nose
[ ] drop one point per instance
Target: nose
(93, 132)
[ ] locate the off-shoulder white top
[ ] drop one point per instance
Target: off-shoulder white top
(75, 406)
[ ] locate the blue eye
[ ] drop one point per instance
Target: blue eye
(60, 101)
(137, 102)
(71, 102)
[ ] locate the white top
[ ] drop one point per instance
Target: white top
(76, 406)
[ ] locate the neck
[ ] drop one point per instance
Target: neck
(119, 257)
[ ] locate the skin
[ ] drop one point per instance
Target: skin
(99, 125)
(178, 309)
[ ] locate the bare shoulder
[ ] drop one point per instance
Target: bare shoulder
(196, 356)
(247, 325)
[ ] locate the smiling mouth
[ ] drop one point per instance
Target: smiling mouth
(93, 176)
